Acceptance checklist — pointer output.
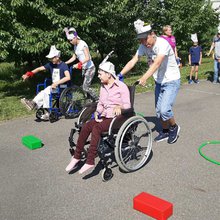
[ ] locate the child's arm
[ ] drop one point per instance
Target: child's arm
(200, 60)
(31, 73)
(189, 57)
(63, 80)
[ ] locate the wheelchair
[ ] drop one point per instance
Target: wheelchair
(128, 141)
(66, 100)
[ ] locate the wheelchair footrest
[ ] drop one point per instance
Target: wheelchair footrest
(153, 206)
(31, 142)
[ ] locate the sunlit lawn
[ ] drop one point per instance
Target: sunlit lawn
(12, 89)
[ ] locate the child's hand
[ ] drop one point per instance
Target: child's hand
(24, 77)
(54, 85)
(27, 75)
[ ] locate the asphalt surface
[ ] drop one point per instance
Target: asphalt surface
(35, 186)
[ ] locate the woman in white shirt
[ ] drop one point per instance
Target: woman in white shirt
(81, 52)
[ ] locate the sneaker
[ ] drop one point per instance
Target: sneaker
(196, 81)
(45, 116)
(190, 81)
(72, 165)
(214, 82)
(85, 168)
(29, 104)
(161, 137)
(173, 134)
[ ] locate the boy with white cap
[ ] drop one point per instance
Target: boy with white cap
(60, 75)
(81, 52)
(195, 58)
(114, 96)
(166, 75)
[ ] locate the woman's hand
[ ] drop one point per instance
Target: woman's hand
(117, 110)
(96, 115)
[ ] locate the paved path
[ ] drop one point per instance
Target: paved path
(35, 186)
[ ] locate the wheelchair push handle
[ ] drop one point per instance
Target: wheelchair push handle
(136, 83)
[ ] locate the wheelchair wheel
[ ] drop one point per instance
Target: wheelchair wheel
(87, 113)
(133, 144)
(106, 174)
(72, 101)
(39, 113)
(53, 117)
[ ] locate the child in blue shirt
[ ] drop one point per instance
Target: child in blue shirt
(195, 59)
(60, 76)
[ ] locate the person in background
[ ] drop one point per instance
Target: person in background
(81, 52)
(60, 75)
(216, 45)
(166, 75)
(195, 58)
(167, 35)
(114, 96)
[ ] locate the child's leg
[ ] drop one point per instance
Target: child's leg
(196, 72)
(191, 72)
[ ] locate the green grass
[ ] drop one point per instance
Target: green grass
(12, 88)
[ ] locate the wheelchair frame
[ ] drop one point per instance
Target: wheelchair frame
(121, 144)
(67, 101)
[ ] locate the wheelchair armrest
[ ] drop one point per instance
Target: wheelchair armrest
(47, 81)
(128, 111)
(39, 87)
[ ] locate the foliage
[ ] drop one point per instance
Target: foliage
(30, 27)
(186, 18)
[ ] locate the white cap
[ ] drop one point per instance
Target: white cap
(53, 52)
(194, 38)
(142, 29)
(108, 67)
(71, 34)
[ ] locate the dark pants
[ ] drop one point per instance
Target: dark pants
(95, 128)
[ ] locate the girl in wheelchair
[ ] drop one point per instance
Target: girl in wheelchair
(114, 96)
(60, 75)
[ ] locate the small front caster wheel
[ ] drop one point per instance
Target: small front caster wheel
(107, 174)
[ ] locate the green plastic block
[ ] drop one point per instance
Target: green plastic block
(31, 142)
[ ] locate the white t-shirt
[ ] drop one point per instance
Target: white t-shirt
(168, 70)
(79, 51)
(55, 75)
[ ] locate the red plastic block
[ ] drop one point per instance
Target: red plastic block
(153, 206)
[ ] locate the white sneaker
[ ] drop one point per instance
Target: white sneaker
(45, 116)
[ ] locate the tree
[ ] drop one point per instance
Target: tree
(186, 18)
(30, 27)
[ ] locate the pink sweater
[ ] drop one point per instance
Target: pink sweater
(116, 94)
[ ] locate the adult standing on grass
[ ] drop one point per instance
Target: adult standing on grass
(167, 35)
(166, 75)
(81, 52)
(60, 75)
(216, 45)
